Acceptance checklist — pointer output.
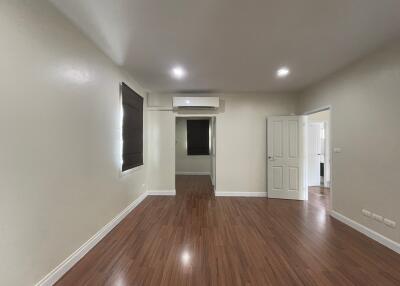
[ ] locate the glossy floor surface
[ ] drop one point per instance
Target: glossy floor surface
(319, 197)
(197, 239)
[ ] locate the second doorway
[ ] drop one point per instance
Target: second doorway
(195, 147)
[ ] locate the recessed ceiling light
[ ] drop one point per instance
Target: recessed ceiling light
(178, 72)
(283, 72)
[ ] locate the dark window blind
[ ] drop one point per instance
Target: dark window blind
(132, 128)
(198, 137)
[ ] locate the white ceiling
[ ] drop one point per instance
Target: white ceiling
(234, 45)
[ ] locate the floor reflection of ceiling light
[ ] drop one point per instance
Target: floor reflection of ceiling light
(120, 281)
(185, 257)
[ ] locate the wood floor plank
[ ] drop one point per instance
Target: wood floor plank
(198, 239)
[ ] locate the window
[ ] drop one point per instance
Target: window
(132, 128)
(198, 137)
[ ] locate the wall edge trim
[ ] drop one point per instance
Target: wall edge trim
(241, 194)
(161, 193)
(193, 173)
(393, 245)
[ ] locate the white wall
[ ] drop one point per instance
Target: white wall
(161, 151)
(365, 100)
(185, 164)
(60, 141)
(241, 140)
(322, 116)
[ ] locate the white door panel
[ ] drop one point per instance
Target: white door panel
(293, 179)
(278, 139)
(293, 126)
(286, 157)
(277, 174)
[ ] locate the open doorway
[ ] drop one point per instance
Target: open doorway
(195, 152)
(319, 157)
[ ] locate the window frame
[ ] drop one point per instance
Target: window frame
(121, 110)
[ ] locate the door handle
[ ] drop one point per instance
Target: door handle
(270, 158)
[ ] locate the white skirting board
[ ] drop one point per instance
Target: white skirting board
(67, 264)
(241, 194)
(193, 173)
(393, 245)
(161, 193)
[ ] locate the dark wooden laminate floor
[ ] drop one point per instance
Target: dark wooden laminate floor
(319, 197)
(197, 239)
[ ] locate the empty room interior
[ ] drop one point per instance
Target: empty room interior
(149, 142)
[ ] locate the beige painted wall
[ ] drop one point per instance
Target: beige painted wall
(241, 140)
(365, 100)
(322, 116)
(161, 151)
(60, 141)
(185, 164)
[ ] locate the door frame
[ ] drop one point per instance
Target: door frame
(206, 116)
(309, 125)
(316, 110)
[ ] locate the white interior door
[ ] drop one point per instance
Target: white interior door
(314, 154)
(286, 172)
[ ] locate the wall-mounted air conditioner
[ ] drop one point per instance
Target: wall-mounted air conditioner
(195, 102)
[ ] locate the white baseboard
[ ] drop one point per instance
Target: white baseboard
(68, 263)
(241, 194)
(161, 193)
(193, 173)
(367, 231)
